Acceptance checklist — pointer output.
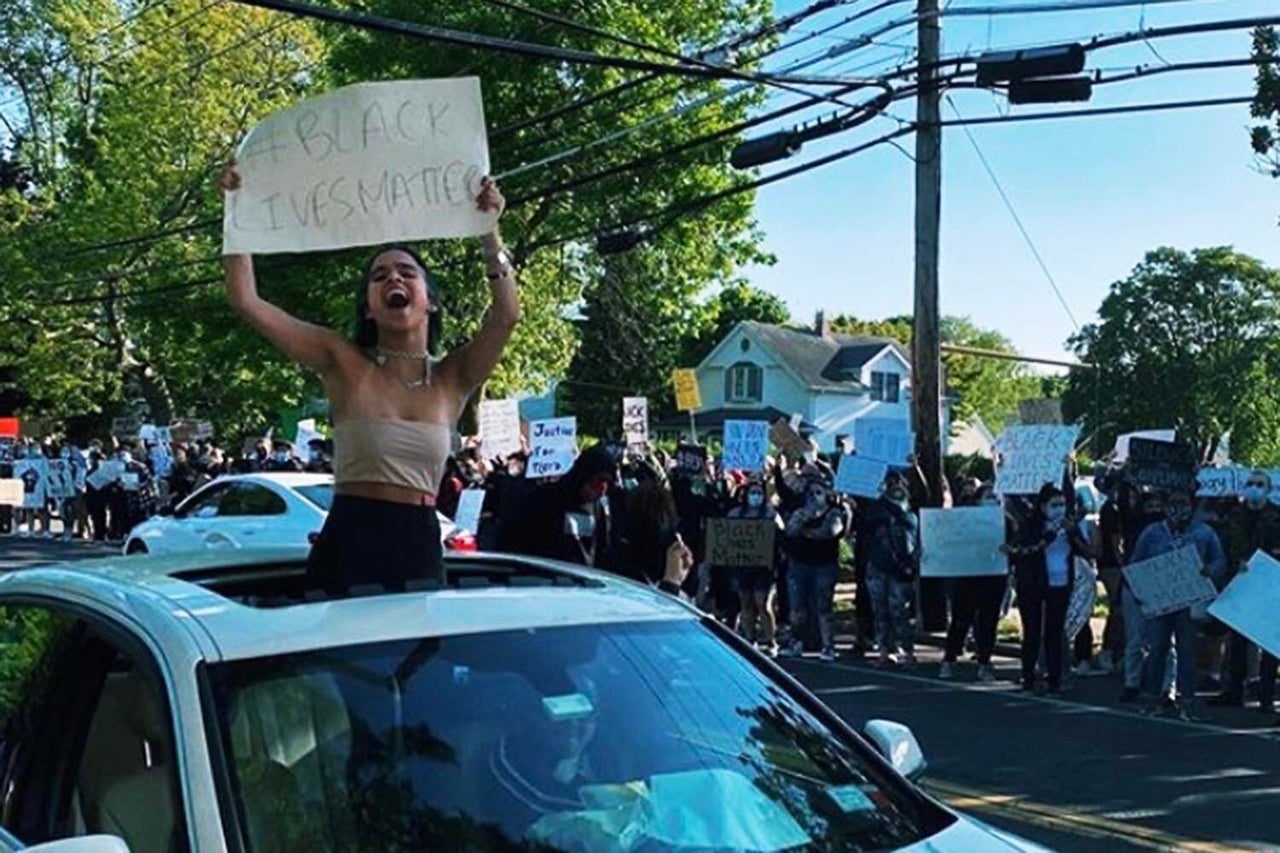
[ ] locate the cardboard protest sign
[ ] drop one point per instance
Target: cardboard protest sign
(1220, 482)
(126, 428)
(1122, 442)
(1169, 582)
(962, 542)
(746, 445)
(786, 439)
(500, 427)
(1084, 595)
(742, 542)
(1248, 604)
(34, 476)
(884, 439)
(1162, 464)
(553, 445)
(1040, 412)
(860, 477)
(12, 492)
(1031, 456)
(635, 423)
(304, 435)
(691, 459)
(688, 393)
(372, 163)
(470, 503)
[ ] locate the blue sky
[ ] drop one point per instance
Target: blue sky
(1094, 193)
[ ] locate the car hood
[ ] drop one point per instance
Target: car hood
(968, 835)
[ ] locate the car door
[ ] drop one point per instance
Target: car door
(253, 515)
(195, 524)
(87, 747)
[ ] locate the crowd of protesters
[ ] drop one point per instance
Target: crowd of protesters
(148, 476)
(625, 512)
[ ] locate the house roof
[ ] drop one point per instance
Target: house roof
(712, 420)
(833, 362)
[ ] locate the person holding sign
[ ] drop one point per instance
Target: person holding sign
(756, 583)
(394, 405)
(1179, 529)
(893, 564)
(813, 534)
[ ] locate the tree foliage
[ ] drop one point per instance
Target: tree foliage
(1265, 133)
(984, 387)
(1188, 340)
(127, 116)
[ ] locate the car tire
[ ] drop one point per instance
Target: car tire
(136, 548)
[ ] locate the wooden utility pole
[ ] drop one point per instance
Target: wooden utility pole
(926, 344)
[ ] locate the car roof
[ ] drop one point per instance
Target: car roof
(289, 479)
(226, 629)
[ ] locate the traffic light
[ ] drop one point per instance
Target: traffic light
(1050, 90)
(766, 149)
(1008, 65)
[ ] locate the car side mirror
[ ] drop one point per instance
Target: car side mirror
(83, 844)
(898, 744)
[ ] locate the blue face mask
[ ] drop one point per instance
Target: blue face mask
(755, 500)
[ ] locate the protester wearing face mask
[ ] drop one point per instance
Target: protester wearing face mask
(813, 535)
(36, 451)
(1252, 526)
(976, 603)
(1179, 530)
(126, 497)
(893, 564)
(755, 584)
(567, 519)
(1147, 511)
(1044, 551)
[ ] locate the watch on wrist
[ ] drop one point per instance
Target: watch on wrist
(499, 265)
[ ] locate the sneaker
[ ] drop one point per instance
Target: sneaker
(1187, 714)
(828, 655)
(23, 533)
(909, 660)
(67, 537)
(947, 671)
(882, 661)
(1082, 668)
(46, 534)
(986, 674)
(794, 650)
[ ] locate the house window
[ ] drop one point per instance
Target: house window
(744, 383)
(884, 387)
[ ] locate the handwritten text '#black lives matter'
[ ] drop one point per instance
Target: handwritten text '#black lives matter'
(327, 136)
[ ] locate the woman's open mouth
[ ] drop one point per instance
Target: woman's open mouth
(396, 298)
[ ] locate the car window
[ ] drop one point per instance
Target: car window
(251, 499)
(203, 504)
(654, 737)
(320, 494)
(88, 744)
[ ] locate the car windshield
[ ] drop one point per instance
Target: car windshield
(320, 494)
(626, 737)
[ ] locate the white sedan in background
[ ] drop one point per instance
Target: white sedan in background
(267, 510)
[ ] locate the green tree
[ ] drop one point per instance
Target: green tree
(1265, 133)
(736, 304)
(988, 388)
(1188, 340)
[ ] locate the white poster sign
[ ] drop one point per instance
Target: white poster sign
(1249, 603)
(884, 439)
(746, 445)
(1220, 482)
(361, 165)
(11, 492)
(1031, 456)
(470, 503)
(107, 472)
(61, 483)
(553, 445)
(305, 434)
(1169, 582)
(860, 477)
(635, 422)
(500, 427)
(34, 474)
(1084, 595)
(1122, 442)
(962, 542)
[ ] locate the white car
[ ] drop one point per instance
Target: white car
(220, 702)
(254, 511)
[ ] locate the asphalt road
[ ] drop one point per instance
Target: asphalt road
(1077, 774)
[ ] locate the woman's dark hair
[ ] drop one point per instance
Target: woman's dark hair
(366, 333)
(1048, 492)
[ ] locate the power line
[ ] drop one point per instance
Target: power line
(1008, 203)
(463, 38)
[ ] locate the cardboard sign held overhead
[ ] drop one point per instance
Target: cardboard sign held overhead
(741, 542)
(860, 477)
(691, 459)
(746, 445)
(1162, 464)
(372, 163)
(786, 439)
(126, 428)
(553, 445)
(1031, 456)
(635, 423)
(500, 427)
(884, 439)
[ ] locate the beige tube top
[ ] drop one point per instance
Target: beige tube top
(411, 454)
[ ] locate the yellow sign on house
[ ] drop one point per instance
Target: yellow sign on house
(688, 394)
